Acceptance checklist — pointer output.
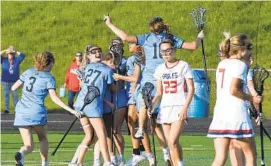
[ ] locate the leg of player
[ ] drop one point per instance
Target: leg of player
(143, 117)
(88, 129)
(163, 142)
(221, 150)
(249, 149)
(132, 119)
(42, 136)
(236, 153)
(108, 123)
(173, 142)
(26, 134)
(96, 154)
(120, 141)
(100, 130)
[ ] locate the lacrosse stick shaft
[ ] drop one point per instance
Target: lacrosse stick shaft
(261, 135)
(153, 142)
(204, 63)
(62, 139)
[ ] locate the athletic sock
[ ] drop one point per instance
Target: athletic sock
(165, 150)
(180, 163)
(76, 154)
(44, 163)
(136, 152)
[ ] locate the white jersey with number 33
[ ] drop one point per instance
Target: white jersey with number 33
(229, 107)
(173, 82)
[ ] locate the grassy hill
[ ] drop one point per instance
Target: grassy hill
(65, 27)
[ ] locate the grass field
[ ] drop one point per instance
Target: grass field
(198, 150)
(63, 27)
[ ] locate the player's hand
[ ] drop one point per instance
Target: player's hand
(107, 19)
(150, 113)
(257, 99)
(257, 121)
(116, 76)
(183, 114)
(65, 85)
(200, 35)
(78, 114)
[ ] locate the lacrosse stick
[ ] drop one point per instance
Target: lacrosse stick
(146, 94)
(260, 74)
(198, 15)
(92, 93)
(116, 49)
(253, 113)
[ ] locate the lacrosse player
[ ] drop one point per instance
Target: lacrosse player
(98, 75)
(231, 119)
(175, 90)
(30, 111)
(235, 151)
(132, 79)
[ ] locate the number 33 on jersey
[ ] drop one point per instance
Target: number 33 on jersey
(173, 82)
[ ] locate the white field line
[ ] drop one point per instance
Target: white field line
(33, 163)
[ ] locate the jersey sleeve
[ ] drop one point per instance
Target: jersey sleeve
(178, 42)
(187, 72)
(158, 73)
(240, 71)
(249, 75)
(141, 39)
(23, 76)
(21, 57)
(51, 84)
(109, 76)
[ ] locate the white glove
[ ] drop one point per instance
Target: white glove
(201, 35)
(78, 114)
(227, 35)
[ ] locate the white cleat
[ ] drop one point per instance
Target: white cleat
(135, 160)
(139, 134)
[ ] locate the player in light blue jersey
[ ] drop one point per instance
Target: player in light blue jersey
(30, 111)
(132, 78)
(99, 75)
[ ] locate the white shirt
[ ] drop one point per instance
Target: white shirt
(173, 83)
(229, 107)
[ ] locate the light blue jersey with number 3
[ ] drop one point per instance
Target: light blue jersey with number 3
(30, 110)
(99, 75)
(151, 42)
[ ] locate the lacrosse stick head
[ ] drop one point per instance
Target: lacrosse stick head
(93, 92)
(116, 49)
(260, 74)
(146, 93)
(198, 16)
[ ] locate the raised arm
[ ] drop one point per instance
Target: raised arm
(3, 52)
(195, 44)
(124, 36)
(60, 103)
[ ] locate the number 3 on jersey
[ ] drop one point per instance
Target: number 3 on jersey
(222, 71)
(170, 86)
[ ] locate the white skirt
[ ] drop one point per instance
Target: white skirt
(230, 129)
(169, 114)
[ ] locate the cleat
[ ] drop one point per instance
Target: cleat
(135, 160)
(19, 159)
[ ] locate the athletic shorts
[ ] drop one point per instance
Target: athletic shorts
(169, 114)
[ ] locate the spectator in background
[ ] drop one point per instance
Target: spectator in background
(72, 83)
(10, 73)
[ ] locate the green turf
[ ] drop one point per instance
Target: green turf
(198, 150)
(67, 26)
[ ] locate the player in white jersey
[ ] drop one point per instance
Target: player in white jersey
(30, 111)
(231, 119)
(175, 89)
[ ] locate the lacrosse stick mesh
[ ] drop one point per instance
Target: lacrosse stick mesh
(260, 74)
(93, 92)
(146, 92)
